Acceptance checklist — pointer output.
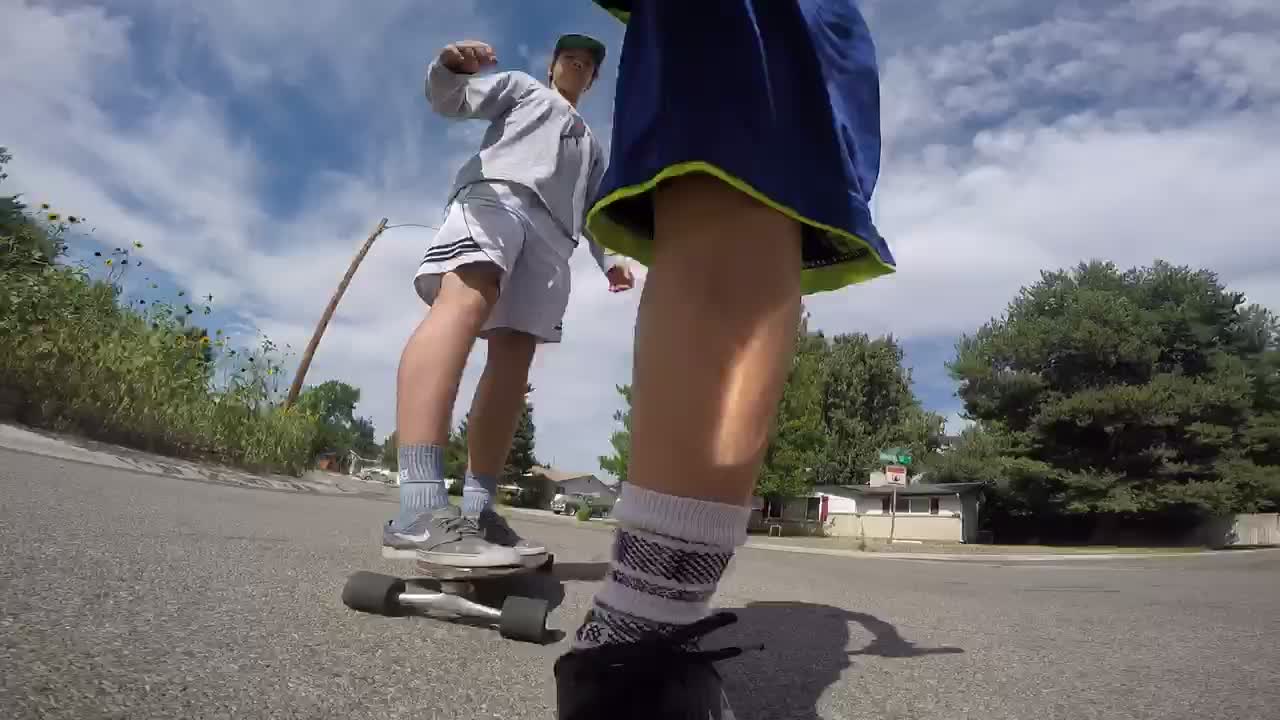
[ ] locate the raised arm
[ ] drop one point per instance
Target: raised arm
(454, 90)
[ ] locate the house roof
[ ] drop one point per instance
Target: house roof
(902, 490)
(559, 476)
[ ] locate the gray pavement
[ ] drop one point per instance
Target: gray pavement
(135, 595)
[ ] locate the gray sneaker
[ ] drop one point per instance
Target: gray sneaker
(494, 528)
(445, 537)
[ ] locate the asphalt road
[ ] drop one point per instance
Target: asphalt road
(136, 596)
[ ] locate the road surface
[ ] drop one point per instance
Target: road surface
(135, 596)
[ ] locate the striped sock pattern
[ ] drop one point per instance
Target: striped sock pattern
(421, 481)
(669, 554)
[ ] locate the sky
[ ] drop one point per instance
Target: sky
(250, 146)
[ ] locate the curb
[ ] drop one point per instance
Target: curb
(80, 451)
(987, 557)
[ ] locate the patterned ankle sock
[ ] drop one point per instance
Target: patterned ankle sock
(668, 555)
(478, 493)
(421, 481)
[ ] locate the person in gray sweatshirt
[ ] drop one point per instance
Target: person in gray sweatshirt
(498, 269)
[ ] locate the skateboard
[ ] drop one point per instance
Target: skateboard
(452, 593)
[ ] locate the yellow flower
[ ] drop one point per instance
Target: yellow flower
(54, 217)
(109, 261)
(137, 244)
(204, 340)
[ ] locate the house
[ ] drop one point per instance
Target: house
(945, 512)
(544, 483)
(792, 516)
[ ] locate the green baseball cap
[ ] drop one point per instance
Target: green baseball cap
(576, 41)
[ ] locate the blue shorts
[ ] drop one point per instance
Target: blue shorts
(778, 98)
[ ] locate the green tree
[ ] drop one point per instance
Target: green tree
(390, 452)
(868, 405)
(455, 453)
(618, 463)
(333, 404)
(1149, 391)
(799, 441)
(521, 458)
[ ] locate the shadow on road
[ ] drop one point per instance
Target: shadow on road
(547, 586)
(806, 649)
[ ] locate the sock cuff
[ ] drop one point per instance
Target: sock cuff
(689, 519)
(421, 463)
(489, 483)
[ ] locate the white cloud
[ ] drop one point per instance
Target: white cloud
(996, 167)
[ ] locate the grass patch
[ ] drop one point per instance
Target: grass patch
(78, 354)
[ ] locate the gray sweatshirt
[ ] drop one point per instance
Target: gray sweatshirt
(535, 138)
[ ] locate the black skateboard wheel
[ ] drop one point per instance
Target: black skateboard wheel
(547, 564)
(373, 593)
(524, 619)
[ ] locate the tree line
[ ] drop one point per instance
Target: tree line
(1148, 395)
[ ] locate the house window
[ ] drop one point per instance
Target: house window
(885, 507)
(773, 509)
(912, 506)
(814, 509)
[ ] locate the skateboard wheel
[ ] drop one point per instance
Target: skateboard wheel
(373, 593)
(524, 619)
(547, 564)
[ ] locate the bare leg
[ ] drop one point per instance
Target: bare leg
(714, 339)
(433, 360)
(499, 400)
(427, 386)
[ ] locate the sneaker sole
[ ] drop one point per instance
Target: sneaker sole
(510, 558)
(527, 558)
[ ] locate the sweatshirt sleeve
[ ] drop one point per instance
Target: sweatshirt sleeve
(462, 96)
(606, 259)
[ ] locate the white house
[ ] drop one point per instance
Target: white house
(945, 512)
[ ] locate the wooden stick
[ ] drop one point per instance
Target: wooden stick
(310, 352)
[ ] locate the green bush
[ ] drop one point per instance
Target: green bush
(584, 512)
(77, 355)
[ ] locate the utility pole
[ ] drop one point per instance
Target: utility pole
(310, 352)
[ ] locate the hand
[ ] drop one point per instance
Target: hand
(620, 278)
(468, 57)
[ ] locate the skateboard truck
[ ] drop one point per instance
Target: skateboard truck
(521, 618)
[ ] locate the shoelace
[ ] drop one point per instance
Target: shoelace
(462, 525)
(659, 649)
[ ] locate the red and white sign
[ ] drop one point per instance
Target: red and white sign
(895, 474)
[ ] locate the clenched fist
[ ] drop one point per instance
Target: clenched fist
(468, 57)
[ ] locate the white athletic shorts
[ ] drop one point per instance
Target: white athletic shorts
(506, 225)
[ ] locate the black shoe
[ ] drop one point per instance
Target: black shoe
(660, 676)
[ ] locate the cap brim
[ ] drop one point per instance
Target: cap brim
(582, 42)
